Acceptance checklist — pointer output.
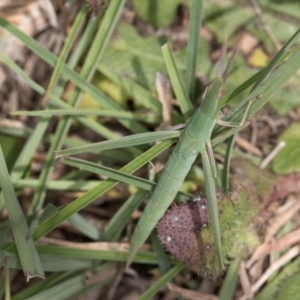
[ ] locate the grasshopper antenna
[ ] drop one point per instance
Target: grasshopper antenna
(220, 65)
(231, 60)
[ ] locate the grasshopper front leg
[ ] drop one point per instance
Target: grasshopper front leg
(229, 124)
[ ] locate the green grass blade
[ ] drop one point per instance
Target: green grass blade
(81, 252)
(29, 257)
(283, 51)
(102, 37)
(192, 46)
(39, 286)
(85, 40)
(58, 185)
(162, 258)
(226, 166)
(88, 112)
(90, 123)
(127, 141)
(269, 87)
(229, 284)
(210, 193)
(87, 72)
(85, 227)
(52, 263)
(109, 172)
(39, 196)
(68, 73)
(72, 286)
(261, 75)
(180, 92)
(77, 24)
(124, 155)
(231, 95)
(142, 96)
(86, 199)
(7, 280)
(90, 196)
(155, 288)
(48, 211)
(120, 219)
(23, 160)
(113, 174)
(35, 137)
(145, 257)
(217, 139)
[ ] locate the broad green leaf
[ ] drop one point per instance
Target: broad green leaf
(138, 58)
(288, 158)
(141, 58)
(287, 98)
(280, 27)
(218, 13)
(289, 8)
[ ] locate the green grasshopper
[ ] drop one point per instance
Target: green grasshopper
(194, 139)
